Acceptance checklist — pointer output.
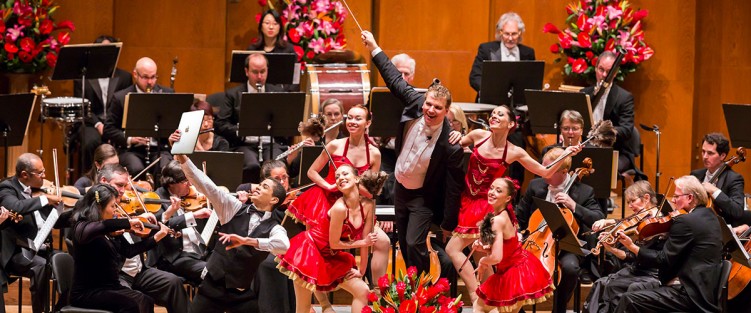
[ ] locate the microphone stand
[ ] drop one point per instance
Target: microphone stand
(656, 130)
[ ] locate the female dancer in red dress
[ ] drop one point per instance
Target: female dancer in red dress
(490, 158)
(520, 279)
(316, 260)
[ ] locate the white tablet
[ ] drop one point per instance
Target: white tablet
(190, 125)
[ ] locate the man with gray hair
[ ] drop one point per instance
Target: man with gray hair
(406, 65)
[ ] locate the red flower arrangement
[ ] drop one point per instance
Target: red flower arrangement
(27, 35)
(595, 26)
(412, 294)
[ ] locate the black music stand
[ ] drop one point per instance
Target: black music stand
(86, 61)
(386, 110)
(562, 234)
(736, 118)
(666, 207)
(281, 67)
(308, 155)
(602, 163)
(271, 114)
(546, 107)
(154, 115)
(219, 165)
(732, 248)
(504, 82)
(15, 116)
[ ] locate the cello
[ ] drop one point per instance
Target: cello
(539, 241)
(740, 275)
(740, 156)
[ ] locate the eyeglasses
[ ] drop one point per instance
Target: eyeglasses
(678, 196)
(40, 174)
(511, 35)
(155, 77)
(571, 129)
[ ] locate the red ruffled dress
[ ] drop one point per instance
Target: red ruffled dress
(311, 259)
(474, 203)
(519, 279)
(309, 205)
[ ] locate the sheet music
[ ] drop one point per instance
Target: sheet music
(45, 230)
(208, 230)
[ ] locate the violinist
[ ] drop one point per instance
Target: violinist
(229, 274)
(727, 193)
(104, 154)
(98, 254)
(606, 291)
(4, 216)
(183, 256)
(16, 195)
(692, 254)
(580, 201)
(165, 288)
(133, 150)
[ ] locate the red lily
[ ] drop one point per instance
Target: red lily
(550, 28)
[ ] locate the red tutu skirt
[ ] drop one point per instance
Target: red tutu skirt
(519, 280)
(311, 260)
(309, 206)
(472, 211)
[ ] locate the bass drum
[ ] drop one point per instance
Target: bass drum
(349, 83)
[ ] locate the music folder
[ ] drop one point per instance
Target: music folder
(388, 108)
(739, 129)
(732, 246)
(281, 67)
(505, 82)
(565, 236)
(308, 155)
(545, 109)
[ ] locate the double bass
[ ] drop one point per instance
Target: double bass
(539, 241)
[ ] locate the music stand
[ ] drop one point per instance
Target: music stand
(281, 67)
(666, 207)
(271, 114)
(15, 116)
(154, 115)
(736, 118)
(563, 235)
(386, 109)
(732, 248)
(217, 165)
(504, 82)
(602, 162)
(308, 155)
(545, 109)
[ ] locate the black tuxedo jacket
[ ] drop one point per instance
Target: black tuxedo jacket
(169, 248)
(113, 126)
(444, 175)
(11, 197)
(484, 52)
(693, 253)
(619, 109)
(121, 80)
(229, 112)
(587, 210)
(731, 202)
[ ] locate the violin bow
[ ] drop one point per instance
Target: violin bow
(57, 177)
(138, 195)
(155, 162)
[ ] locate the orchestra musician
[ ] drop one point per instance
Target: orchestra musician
(728, 192)
(183, 256)
(579, 200)
(226, 123)
(271, 39)
(312, 131)
(691, 255)
(230, 269)
(317, 259)
(133, 150)
(428, 171)
(99, 92)
(103, 155)
(4, 222)
(627, 274)
(208, 141)
(165, 288)
(16, 195)
(491, 156)
(98, 255)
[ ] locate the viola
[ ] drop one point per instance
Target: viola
(653, 226)
(627, 225)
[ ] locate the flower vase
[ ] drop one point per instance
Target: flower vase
(17, 83)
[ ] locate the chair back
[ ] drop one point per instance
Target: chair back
(62, 271)
(722, 287)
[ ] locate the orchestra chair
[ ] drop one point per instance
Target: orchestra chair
(722, 287)
(62, 272)
(20, 289)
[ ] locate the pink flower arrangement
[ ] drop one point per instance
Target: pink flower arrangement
(412, 294)
(595, 26)
(28, 42)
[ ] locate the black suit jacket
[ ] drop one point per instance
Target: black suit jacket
(587, 210)
(229, 112)
(11, 197)
(113, 126)
(693, 253)
(731, 201)
(484, 52)
(444, 175)
(619, 109)
(121, 80)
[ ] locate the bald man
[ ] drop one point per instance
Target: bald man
(132, 150)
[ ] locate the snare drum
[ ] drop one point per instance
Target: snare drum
(63, 109)
(349, 83)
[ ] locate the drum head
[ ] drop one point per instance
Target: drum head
(63, 109)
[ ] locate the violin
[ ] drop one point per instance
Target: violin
(69, 194)
(194, 201)
(657, 225)
(147, 226)
(627, 225)
(13, 216)
(133, 202)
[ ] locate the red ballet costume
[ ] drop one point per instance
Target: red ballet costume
(309, 205)
(311, 259)
(474, 203)
(519, 279)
